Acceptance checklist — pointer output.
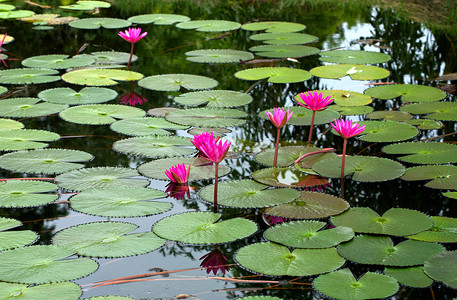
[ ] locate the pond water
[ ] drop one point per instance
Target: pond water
(419, 55)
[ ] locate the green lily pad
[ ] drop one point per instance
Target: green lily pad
(259, 298)
(28, 76)
(203, 228)
(218, 56)
(444, 230)
(288, 177)
(217, 131)
(16, 14)
(452, 195)
(57, 61)
(28, 107)
(96, 23)
(87, 95)
(302, 116)
(100, 77)
(23, 139)
(26, 193)
(407, 92)
(43, 264)
(425, 124)
(341, 98)
(342, 284)
(282, 261)
(100, 114)
(424, 153)
(442, 111)
(200, 168)
(411, 276)
(353, 57)
(100, 178)
(86, 5)
(380, 250)
(109, 297)
(310, 205)
(443, 267)
(362, 168)
(351, 110)
(274, 26)
(159, 19)
(145, 126)
(62, 290)
(289, 154)
(46, 161)
(120, 202)
(7, 7)
(442, 177)
(274, 74)
(390, 115)
(284, 51)
(216, 98)
(291, 38)
(356, 72)
(247, 194)
(8, 124)
(308, 234)
(207, 117)
(112, 57)
(210, 25)
(174, 82)
(107, 239)
(14, 239)
(395, 221)
(155, 146)
(386, 131)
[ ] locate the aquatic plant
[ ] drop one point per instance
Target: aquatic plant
(279, 118)
(132, 35)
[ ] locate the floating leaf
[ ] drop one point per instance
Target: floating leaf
(351, 110)
(362, 168)
(425, 124)
(87, 95)
(62, 290)
(288, 177)
(8, 124)
(200, 168)
(23, 139)
(342, 284)
(3, 90)
(203, 228)
(158, 19)
(112, 57)
(442, 111)
(173, 82)
(424, 153)
(161, 112)
(28, 107)
(356, 72)
(353, 57)
(26, 193)
(444, 230)
(100, 114)
(411, 276)
(452, 195)
(274, 26)
(96, 23)
(395, 221)
(407, 92)
(218, 56)
(308, 234)
(289, 154)
(340, 97)
(284, 51)
(6, 7)
(260, 298)
(310, 205)
(155, 146)
(390, 115)
(291, 38)
(86, 5)
(207, 117)
(216, 98)
(16, 14)
(14, 239)
(443, 177)
(57, 61)
(121, 202)
(443, 267)
(43, 264)
(209, 25)
(274, 74)
(302, 116)
(386, 131)
(107, 239)
(100, 178)
(100, 77)
(47, 161)
(110, 297)
(28, 76)
(145, 126)
(217, 131)
(282, 261)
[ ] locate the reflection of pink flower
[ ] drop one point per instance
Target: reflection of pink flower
(133, 99)
(213, 149)
(132, 35)
(347, 129)
(178, 173)
(315, 101)
(1, 43)
(279, 117)
(178, 191)
(214, 261)
(273, 220)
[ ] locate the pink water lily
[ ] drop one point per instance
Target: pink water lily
(279, 117)
(178, 173)
(132, 35)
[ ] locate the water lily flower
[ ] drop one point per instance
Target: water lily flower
(214, 261)
(133, 99)
(178, 173)
(279, 118)
(132, 35)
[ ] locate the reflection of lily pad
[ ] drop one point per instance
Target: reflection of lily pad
(215, 98)
(291, 38)
(288, 177)
(207, 117)
(57, 61)
(387, 131)
(353, 57)
(28, 107)
(341, 98)
(356, 72)
(100, 77)
(96, 23)
(284, 51)
(28, 76)
(87, 95)
(424, 153)
(442, 111)
(444, 230)
(274, 26)
(26, 193)
(442, 177)
(100, 114)
(443, 267)
(158, 19)
(289, 154)
(411, 276)
(13, 239)
(173, 82)
(274, 74)
(408, 92)
(23, 139)
(218, 56)
(209, 25)
(145, 126)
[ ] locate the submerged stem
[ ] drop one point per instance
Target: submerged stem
(311, 128)
(342, 167)
(278, 133)
(215, 187)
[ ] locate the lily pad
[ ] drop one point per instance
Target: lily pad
(207, 117)
(425, 124)
(8, 124)
(203, 228)
(112, 57)
(282, 261)
(159, 19)
(218, 56)
(120, 202)
(274, 74)
(3, 90)
(289, 154)
(100, 77)
(174, 82)
(353, 57)
(443, 267)
(16, 14)
(390, 115)
(7, 40)
(145, 126)
(442, 177)
(407, 92)
(341, 98)
(351, 110)
(100, 114)
(442, 111)
(28, 76)
(444, 230)
(96, 23)
(23, 139)
(395, 221)
(28, 107)
(87, 95)
(291, 38)
(284, 51)
(424, 153)
(386, 131)
(216, 98)
(217, 131)
(274, 26)
(356, 72)
(43, 264)
(14, 239)
(302, 116)
(210, 25)
(57, 61)
(411, 276)
(86, 5)
(107, 239)
(26, 193)
(62, 290)
(288, 177)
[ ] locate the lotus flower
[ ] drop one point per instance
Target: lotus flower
(132, 35)
(279, 118)
(178, 173)
(133, 99)
(214, 261)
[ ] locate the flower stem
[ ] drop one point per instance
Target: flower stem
(342, 167)
(278, 133)
(311, 128)
(215, 187)
(131, 54)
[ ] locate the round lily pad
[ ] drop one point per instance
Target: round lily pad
(112, 57)
(218, 56)
(444, 230)
(341, 98)
(443, 267)
(46, 161)
(289, 154)
(28, 107)
(288, 177)
(410, 276)
(207, 117)
(387, 131)
(174, 82)
(161, 112)
(209, 25)
(121, 202)
(107, 239)
(8, 124)
(248, 193)
(274, 74)
(215, 98)
(87, 95)
(310, 205)
(351, 110)
(424, 153)
(342, 284)
(353, 57)
(200, 168)
(274, 26)
(100, 178)
(362, 168)
(16, 14)
(356, 72)
(96, 23)
(86, 5)
(61, 290)
(28, 76)
(203, 228)
(13, 239)
(442, 111)
(407, 92)
(57, 61)
(308, 234)
(391, 115)
(425, 124)
(158, 19)
(217, 131)
(442, 177)
(100, 114)
(43, 264)
(23, 139)
(284, 51)
(395, 221)
(100, 77)
(26, 193)
(145, 126)
(282, 261)
(155, 146)
(291, 38)
(302, 116)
